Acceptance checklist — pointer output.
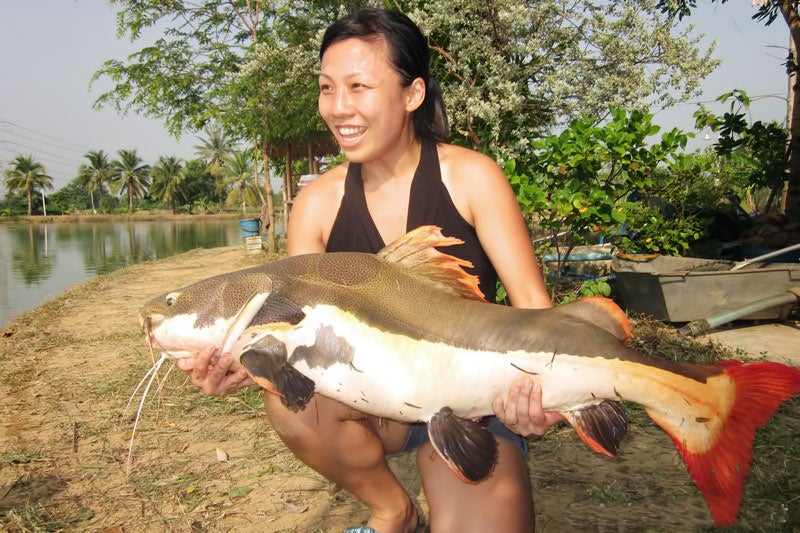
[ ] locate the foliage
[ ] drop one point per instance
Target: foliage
(70, 199)
(202, 187)
(250, 69)
(168, 181)
(509, 69)
(753, 154)
(239, 180)
(13, 204)
(95, 175)
(655, 233)
(29, 176)
(769, 11)
(130, 176)
(578, 181)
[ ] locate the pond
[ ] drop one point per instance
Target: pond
(38, 261)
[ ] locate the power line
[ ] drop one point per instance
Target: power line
(62, 141)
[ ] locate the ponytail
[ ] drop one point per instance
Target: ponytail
(430, 120)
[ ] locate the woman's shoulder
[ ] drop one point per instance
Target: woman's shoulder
(329, 185)
(314, 210)
(466, 167)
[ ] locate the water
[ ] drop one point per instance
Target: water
(39, 261)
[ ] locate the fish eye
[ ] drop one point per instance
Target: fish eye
(171, 299)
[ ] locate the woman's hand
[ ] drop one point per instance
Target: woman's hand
(521, 411)
(212, 373)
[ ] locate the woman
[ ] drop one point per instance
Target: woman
(386, 112)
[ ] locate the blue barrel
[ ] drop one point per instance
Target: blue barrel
(250, 227)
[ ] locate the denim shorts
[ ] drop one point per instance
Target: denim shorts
(418, 435)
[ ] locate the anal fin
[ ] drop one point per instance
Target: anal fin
(465, 445)
(600, 426)
(267, 363)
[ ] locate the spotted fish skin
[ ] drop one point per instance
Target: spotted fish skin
(404, 334)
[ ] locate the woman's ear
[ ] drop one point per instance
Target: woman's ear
(415, 94)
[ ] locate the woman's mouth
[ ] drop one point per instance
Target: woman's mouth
(349, 135)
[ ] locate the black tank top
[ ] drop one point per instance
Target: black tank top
(430, 203)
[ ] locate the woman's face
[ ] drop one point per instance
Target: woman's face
(363, 102)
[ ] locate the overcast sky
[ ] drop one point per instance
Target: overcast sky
(49, 50)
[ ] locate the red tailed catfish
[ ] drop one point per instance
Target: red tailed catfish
(404, 334)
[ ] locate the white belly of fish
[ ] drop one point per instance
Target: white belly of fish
(406, 379)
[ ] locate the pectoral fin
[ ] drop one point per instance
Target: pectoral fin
(466, 446)
(266, 362)
(275, 309)
(600, 426)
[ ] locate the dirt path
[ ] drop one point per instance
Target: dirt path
(68, 368)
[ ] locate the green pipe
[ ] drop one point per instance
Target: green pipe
(699, 327)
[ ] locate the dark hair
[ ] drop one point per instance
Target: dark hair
(410, 57)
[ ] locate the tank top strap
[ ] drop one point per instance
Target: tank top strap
(426, 188)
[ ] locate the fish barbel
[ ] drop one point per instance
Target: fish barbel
(405, 334)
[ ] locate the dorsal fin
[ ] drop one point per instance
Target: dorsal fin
(416, 251)
(602, 312)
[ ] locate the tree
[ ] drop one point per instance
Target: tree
(130, 176)
(201, 187)
(28, 176)
(509, 70)
(579, 181)
(169, 181)
(95, 175)
(192, 75)
(215, 149)
(238, 180)
(768, 11)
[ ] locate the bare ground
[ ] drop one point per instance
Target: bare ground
(68, 368)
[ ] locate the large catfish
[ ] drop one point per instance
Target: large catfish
(405, 335)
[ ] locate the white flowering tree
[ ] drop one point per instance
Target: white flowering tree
(510, 70)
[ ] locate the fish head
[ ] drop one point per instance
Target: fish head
(214, 312)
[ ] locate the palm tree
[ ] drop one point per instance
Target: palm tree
(96, 174)
(130, 175)
(215, 150)
(238, 180)
(169, 180)
(30, 176)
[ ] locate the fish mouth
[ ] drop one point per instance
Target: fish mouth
(187, 346)
(150, 324)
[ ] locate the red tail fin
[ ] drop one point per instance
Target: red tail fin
(720, 472)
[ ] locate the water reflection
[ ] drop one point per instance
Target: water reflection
(30, 259)
(39, 261)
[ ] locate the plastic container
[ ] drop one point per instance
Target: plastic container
(251, 227)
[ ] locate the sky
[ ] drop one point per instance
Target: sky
(49, 50)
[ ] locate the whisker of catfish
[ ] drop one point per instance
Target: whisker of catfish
(163, 381)
(155, 367)
(153, 375)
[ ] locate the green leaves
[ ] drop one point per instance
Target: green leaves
(579, 179)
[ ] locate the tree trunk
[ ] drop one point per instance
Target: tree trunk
(270, 202)
(790, 203)
(287, 185)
